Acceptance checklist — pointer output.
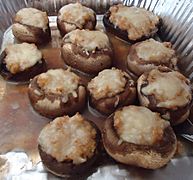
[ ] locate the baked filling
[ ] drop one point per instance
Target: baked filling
(59, 82)
(108, 83)
(138, 22)
(152, 51)
(69, 139)
(88, 40)
(20, 57)
(32, 17)
(170, 89)
(139, 125)
(76, 14)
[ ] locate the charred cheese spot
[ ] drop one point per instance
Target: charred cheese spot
(59, 81)
(139, 125)
(69, 139)
(32, 17)
(88, 40)
(170, 89)
(108, 83)
(138, 22)
(76, 15)
(20, 57)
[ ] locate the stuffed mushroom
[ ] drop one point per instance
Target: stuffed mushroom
(131, 23)
(147, 55)
(167, 92)
(31, 25)
(75, 16)
(87, 51)
(69, 145)
(111, 89)
(21, 62)
(137, 136)
(57, 92)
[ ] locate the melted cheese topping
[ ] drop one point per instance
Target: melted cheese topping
(32, 17)
(68, 138)
(76, 14)
(20, 57)
(136, 21)
(59, 81)
(169, 88)
(108, 83)
(47, 104)
(19, 28)
(88, 40)
(154, 51)
(139, 125)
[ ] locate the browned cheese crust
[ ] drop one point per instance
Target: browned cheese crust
(23, 76)
(123, 32)
(147, 55)
(88, 61)
(66, 24)
(31, 33)
(146, 156)
(67, 168)
(108, 105)
(175, 114)
(73, 105)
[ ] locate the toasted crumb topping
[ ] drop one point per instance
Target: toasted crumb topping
(171, 89)
(32, 17)
(88, 40)
(20, 57)
(76, 14)
(138, 22)
(69, 139)
(139, 125)
(59, 81)
(155, 51)
(108, 83)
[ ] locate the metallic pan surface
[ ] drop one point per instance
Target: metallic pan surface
(177, 16)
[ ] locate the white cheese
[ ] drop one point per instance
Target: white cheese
(76, 14)
(19, 28)
(136, 21)
(139, 125)
(58, 81)
(48, 104)
(20, 57)
(69, 138)
(88, 40)
(169, 88)
(154, 51)
(108, 83)
(32, 17)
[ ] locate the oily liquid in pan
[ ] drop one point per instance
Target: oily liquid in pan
(20, 124)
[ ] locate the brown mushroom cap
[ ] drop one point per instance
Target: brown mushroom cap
(123, 33)
(73, 104)
(108, 105)
(70, 21)
(68, 168)
(31, 25)
(23, 76)
(146, 156)
(150, 54)
(177, 113)
(78, 51)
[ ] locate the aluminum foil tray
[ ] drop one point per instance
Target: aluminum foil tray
(20, 125)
